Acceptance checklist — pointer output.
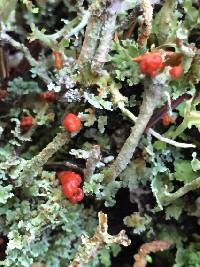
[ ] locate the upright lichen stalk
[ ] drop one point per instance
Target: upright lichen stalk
(152, 95)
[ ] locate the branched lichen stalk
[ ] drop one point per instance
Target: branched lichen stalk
(57, 143)
(92, 246)
(152, 96)
(81, 25)
(69, 29)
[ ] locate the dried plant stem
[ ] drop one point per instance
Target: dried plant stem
(147, 248)
(152, 96)
(90, 247)
(146, 27)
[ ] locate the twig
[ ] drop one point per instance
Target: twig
(146, 27)
(152, 96)
(147, 248)
(90, 247)
(166, 198)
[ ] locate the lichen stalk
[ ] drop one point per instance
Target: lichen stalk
(168, 198)
(36, 163)
(152, 96)
(90, 40)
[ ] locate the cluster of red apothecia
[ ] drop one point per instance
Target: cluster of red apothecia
(152, 64)
(71, 182)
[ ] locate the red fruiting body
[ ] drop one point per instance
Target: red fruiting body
(150, 63)
(72, 123)
(26, 122)
(176, 71)
(77, 196)
(70, 189)
(71, 182)
(68, 176)
(58, 60)
(48, 96)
